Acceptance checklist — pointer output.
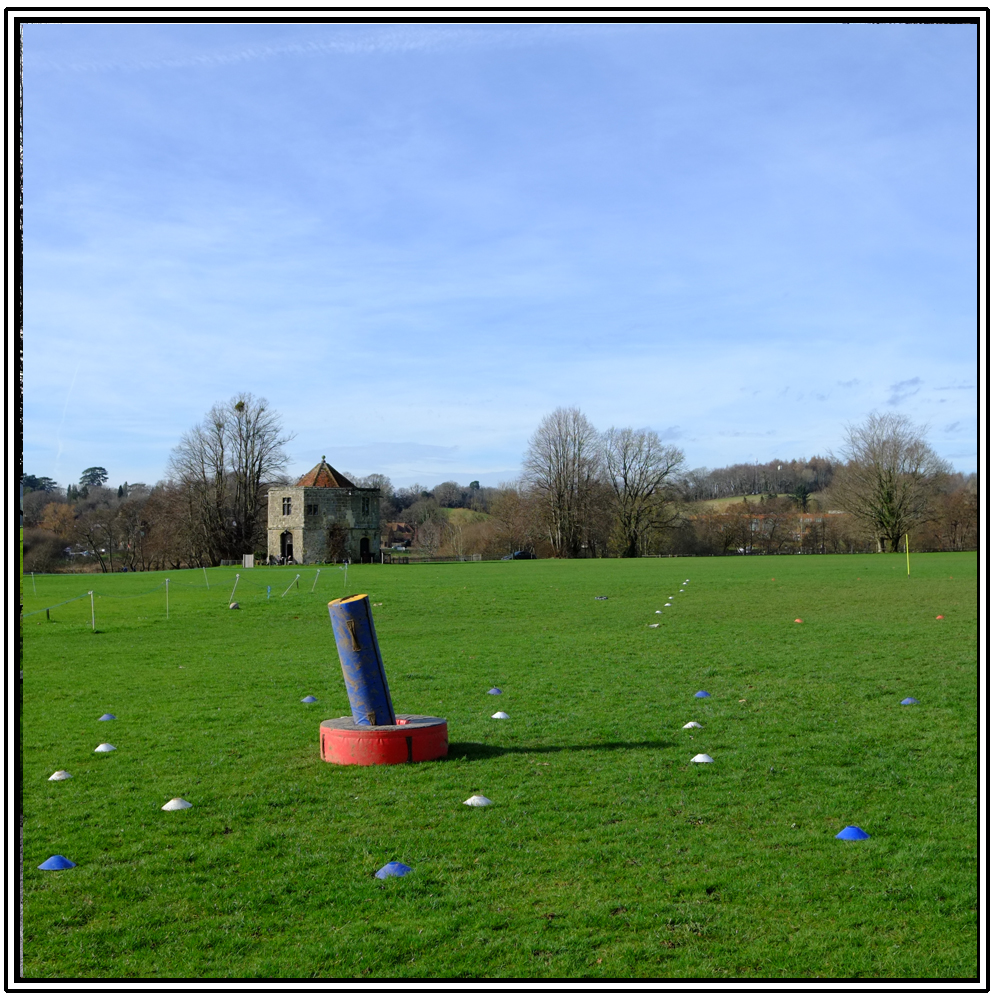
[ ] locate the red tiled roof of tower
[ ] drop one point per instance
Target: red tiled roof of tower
(326, 477)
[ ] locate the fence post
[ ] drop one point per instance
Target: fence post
(234, 588)
(93, 626)
(314, 582)
(205, 571)
(166, 583)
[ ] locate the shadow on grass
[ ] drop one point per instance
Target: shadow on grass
(480, 751)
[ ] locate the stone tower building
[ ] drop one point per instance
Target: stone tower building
(322, 518)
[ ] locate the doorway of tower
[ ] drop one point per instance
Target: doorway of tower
(285, 547)
(366, 555)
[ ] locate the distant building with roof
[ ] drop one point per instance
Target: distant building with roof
(324, 517)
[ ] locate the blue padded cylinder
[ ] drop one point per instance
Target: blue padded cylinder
(361, 661)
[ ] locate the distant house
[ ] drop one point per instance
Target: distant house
(324, 517)
(401, 535)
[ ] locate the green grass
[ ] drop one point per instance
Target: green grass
(606, 855)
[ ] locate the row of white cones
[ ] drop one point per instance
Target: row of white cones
(667, 605)
(701, 758)
(171, 806)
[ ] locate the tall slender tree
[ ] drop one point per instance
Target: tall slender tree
(562, 468)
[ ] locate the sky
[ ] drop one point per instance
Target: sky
(417, 240)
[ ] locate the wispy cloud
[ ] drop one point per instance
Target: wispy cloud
(904, 390)
(392, 40)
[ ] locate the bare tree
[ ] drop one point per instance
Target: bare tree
(890, 477)
(513, 513)
(133, 526)
(95, 528)
(643, 474)
(563, 469)
(35, 504)
(224, 465)
(172, 538)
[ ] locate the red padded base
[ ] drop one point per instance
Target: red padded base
(413, 738)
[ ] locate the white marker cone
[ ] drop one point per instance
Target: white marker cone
(657, 625)
(693, 725)
(478, 800)
(702, 758)
(658, 612)
(104, 748)
(60, 776)
(499, 715)
(175, 804)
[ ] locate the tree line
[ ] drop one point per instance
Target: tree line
(581, 493)
(211, 507)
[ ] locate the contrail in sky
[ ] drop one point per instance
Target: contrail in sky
(397, 39)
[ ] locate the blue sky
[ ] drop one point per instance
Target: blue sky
(417, 240)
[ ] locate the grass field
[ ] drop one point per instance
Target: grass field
(606, 855)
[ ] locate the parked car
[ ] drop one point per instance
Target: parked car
(520, 554)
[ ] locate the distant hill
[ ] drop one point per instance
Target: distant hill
(817, 501)
(462, 515)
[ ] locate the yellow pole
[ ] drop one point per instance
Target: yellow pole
(907, 537)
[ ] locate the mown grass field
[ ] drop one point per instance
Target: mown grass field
(606, 854)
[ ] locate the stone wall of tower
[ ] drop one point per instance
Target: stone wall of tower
(356, 511)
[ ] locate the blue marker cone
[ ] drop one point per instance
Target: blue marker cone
(852, 833)
(308, 700)
(494, 691)
(107, 717)
(56, 864)
(909, 701)
(702, 694)
(393, 869)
